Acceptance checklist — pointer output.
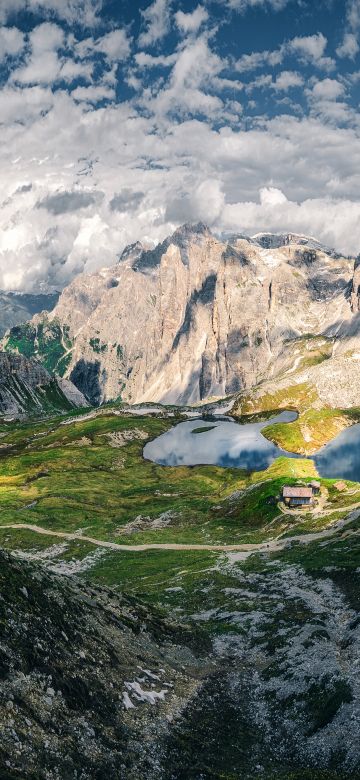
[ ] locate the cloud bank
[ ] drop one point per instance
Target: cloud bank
(111, 134)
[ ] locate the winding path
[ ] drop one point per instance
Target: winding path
(271, 546)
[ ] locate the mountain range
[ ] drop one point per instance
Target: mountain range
(201, 316)
(17, 307)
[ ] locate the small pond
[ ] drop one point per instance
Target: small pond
(219, 442)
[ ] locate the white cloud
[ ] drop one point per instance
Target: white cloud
(349, 47)
(191, 82)
(105, 173)
(43, 68)
(157, 22)
(312, 47)
(24, 105)
(350, 44)
(46, 37)
(331, 221)
(43, 65)
(353, 14)
(309, 49)
(328, 89)
(325, 101)
(82, 11)
(191, 22)
(205, 204)
(115, 45)
(257, 59)
(195, 173)
(72, 70)
(93, 94)
(261, 82)
(12, 42)
(288, 80)
(271, 196)
(145, 60)
(9, 8)
(244, 5)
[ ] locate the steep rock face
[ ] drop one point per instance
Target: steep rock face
(355, 288)
(27, 388)
(196, 316)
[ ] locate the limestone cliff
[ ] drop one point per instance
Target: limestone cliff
(196, 317)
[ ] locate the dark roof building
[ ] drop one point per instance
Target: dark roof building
(298, 495)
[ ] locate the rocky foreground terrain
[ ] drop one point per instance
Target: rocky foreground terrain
(74, 661)
(95, 684)
(198, 317)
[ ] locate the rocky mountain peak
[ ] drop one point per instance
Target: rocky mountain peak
(278, 240)
(132, 252)
(195, 317)
(191, 230)
(183, 238)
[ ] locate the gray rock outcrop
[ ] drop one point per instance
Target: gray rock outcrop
(27, 388)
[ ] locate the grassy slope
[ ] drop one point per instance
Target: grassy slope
(48, 342)
(68, 478)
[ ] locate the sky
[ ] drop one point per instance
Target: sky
(122, 119)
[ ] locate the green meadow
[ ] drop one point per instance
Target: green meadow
(85, 475)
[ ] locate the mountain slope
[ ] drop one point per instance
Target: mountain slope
(197, 317)
(16, 308)
(73, 661)
(26, 388)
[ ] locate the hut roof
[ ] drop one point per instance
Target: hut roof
(297, 492)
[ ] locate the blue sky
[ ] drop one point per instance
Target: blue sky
(121, 119)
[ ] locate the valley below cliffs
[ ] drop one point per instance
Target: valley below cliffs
(200, 317)
(27, 389)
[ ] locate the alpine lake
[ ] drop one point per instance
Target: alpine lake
(220, 441)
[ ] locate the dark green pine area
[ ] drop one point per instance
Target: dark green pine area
(184, 661)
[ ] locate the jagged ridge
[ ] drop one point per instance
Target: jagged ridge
(198, 316)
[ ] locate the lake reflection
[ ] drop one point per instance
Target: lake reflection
(227, 444)
(341, 458)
